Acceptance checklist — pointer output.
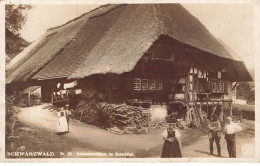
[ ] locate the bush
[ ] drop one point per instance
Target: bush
(11, 115)
(247, 111)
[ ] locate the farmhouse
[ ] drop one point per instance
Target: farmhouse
(138, 54)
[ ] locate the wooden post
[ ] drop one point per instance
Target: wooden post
(29, 99)
(81, 115)
(221, 115)
(230, 111)
(214, 107)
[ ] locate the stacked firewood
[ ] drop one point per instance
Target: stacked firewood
(120, 118)
(124, 115)
(88, 112)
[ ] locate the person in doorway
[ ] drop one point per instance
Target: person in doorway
(214, 135)
(231, 129)
(172, 143)
(63, 124)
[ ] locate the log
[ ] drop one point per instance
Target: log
(29, 99)
(124, 116)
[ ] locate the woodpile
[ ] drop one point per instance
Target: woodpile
(119, 118)
(124, 115)
(116, 130)
(125, 119)
(88, 112)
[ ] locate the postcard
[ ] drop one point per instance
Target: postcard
(129, 81)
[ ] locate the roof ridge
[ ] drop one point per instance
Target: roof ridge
(74, 19)
(160, 22)
(101, 14)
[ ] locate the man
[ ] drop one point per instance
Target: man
(214, 135)
(230, 130)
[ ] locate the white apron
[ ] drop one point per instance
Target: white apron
(63, 124)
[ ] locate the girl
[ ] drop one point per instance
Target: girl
(172, 143)
(63, 124)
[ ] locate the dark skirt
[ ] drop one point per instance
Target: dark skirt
(171, 149)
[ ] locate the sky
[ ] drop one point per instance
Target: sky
(232, 23)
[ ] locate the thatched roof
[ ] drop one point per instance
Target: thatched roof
(7, 58)
(112, 39)
(31, 88)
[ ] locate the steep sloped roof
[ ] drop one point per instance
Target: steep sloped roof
(111, 39)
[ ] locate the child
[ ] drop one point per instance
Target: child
(63, 124)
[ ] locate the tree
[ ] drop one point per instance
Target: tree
(15, 18)
(246, 92)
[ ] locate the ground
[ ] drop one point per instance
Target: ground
(88, 138)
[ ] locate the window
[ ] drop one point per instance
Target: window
(195, 71)
(202, 74)
(190, 95)
(191, 78)
(137, 84)
(164, 52)
(219, 74)
(221, 86)
(213, 86)
(191, 70)
(158, 84)
(217, 86)
(202, 85)
(225, 87)
(147, 84)
(213, 74)
(179, 88)
(191, 86)
(152, 84)
(144, 84)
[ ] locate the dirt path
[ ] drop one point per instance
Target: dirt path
(97, 139)
(201, 148)
(100, 140)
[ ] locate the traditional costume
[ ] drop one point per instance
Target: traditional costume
(63, 124)
(172, 144)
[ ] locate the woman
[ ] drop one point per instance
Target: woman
(63, 124)
(172, 143)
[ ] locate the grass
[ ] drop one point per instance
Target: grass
(246, 107)
(247, 111)
(43, 140)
